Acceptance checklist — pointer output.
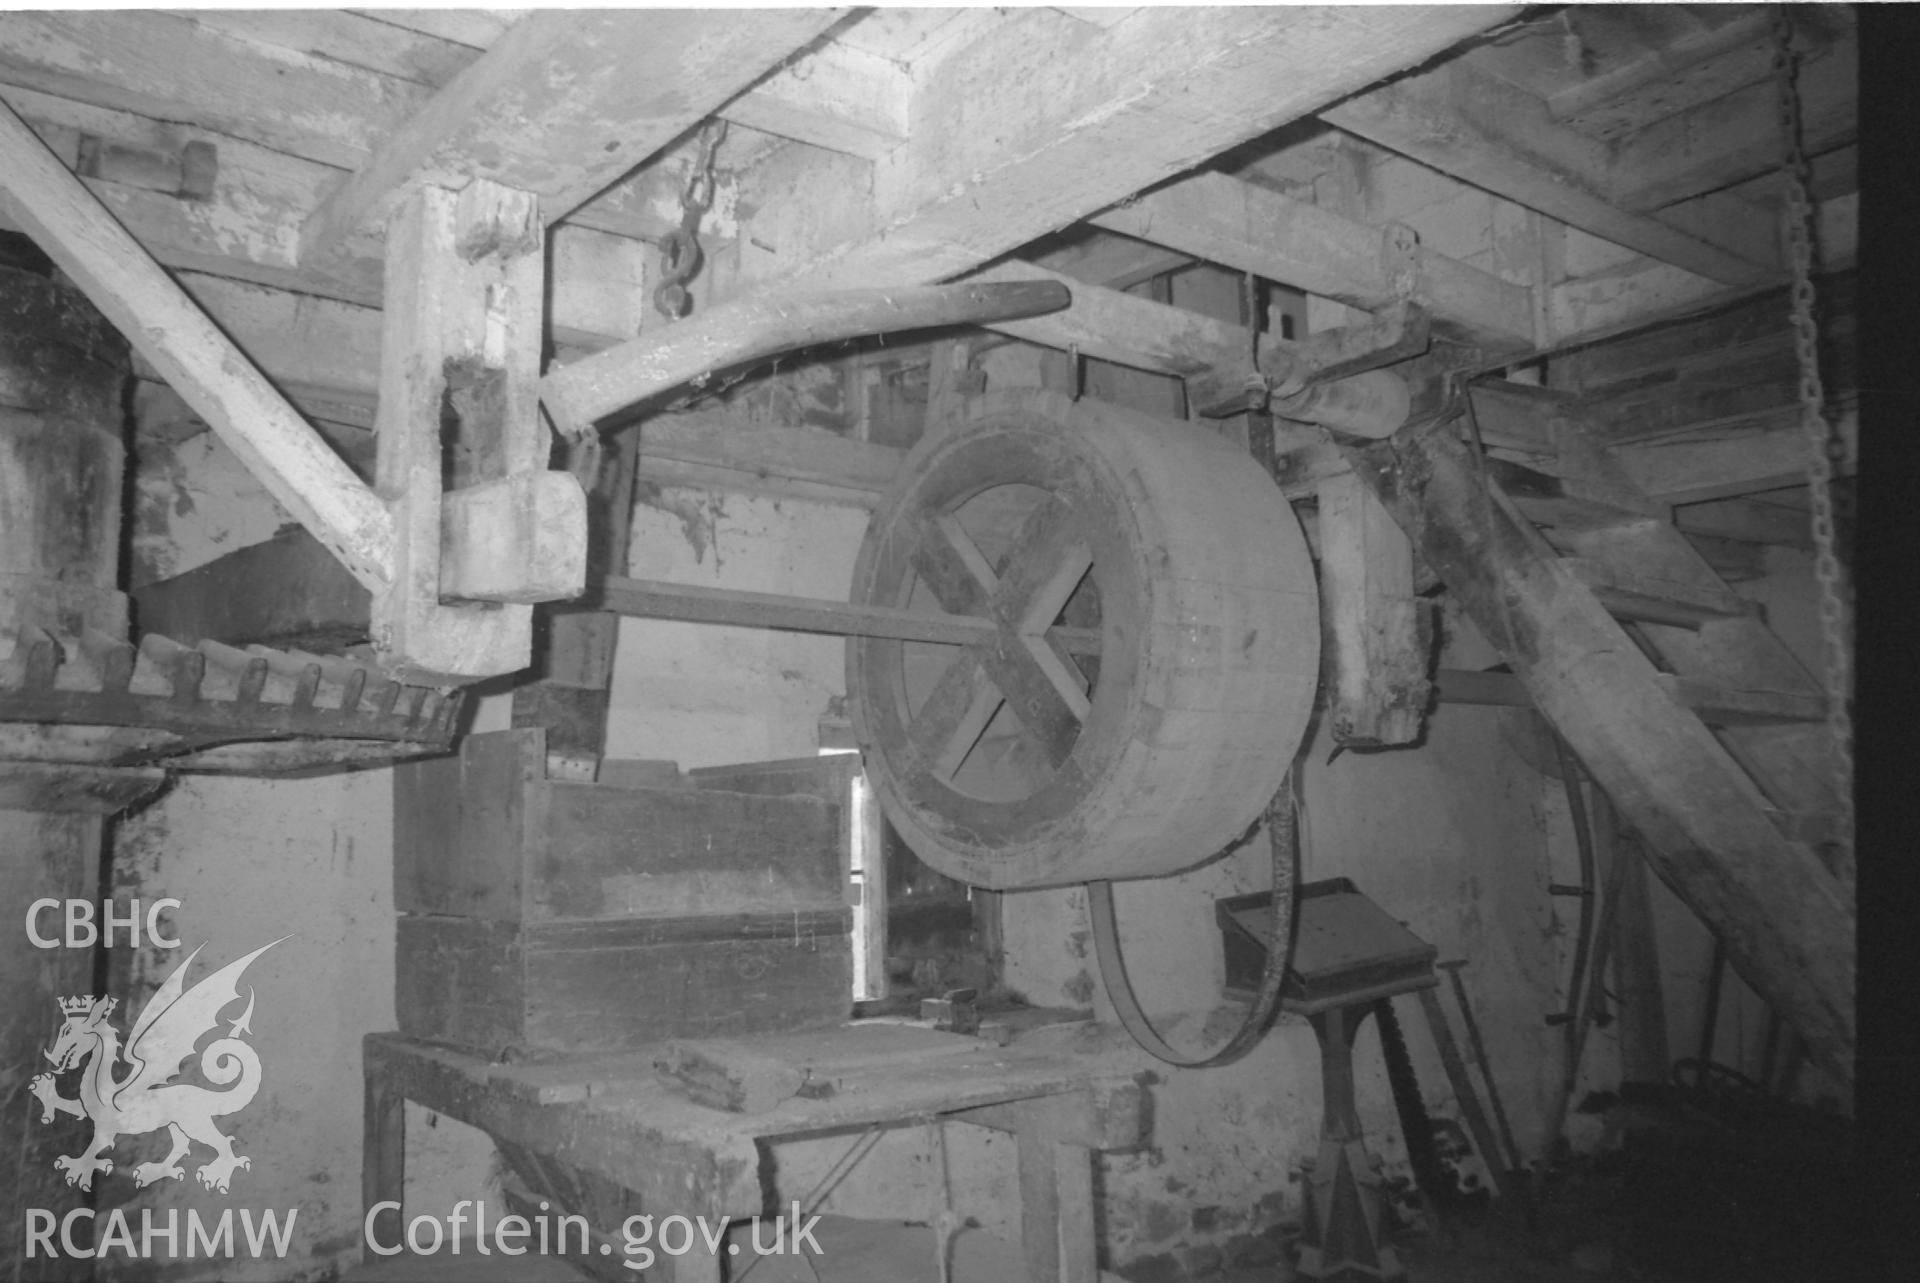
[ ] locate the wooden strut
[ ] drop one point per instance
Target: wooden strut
(213, 375)
(578, 395)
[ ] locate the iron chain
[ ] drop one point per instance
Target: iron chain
(680, 250)
(1823, 444)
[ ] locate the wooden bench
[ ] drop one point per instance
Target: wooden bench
(613, 1117)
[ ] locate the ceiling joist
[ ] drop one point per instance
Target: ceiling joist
(565, 103)
(1250, 228)
(1504, 140)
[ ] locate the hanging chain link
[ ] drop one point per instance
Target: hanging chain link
(1823, 444)
(680, 249)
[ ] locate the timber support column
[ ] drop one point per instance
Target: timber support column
(63, 371)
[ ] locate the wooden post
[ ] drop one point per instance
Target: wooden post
(461, 342)
(1039, 1162)
(383, 1155)
(1378, 638)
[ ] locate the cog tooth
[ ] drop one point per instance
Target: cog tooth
(111, 658)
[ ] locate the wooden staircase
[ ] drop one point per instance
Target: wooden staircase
(1705, 731)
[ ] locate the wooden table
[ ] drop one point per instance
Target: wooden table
(613, 1117)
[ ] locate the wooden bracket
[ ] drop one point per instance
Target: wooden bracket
(482, 527)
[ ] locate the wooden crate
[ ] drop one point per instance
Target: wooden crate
(543, 914)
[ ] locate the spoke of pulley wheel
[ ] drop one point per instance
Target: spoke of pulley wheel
(1040, 684)
(952, 566)
(1049, 559)
(954, 716)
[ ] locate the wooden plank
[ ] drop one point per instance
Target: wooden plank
(562, 105)
(1501, 138)
(1379, 644)
(201, 363)
(1252, 228)
(1705, 823)
(1044, 120)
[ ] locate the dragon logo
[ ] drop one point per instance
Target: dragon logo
(146, 1099)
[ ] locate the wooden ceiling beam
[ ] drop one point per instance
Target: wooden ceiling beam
(1250, 228)
(1117, 262)
(563, 104)
(837, 97)
(1501, 138)
(1043, 120)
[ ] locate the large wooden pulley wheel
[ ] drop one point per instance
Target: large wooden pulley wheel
(1150, 661)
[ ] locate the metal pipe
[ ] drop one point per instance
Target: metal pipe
(733, 334)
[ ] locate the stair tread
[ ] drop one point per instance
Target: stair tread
(1633, 594)
(1720, 705)
(1714, 704)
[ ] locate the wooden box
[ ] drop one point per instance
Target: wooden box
(543, 914)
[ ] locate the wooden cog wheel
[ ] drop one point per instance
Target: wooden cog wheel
(1148, 659)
